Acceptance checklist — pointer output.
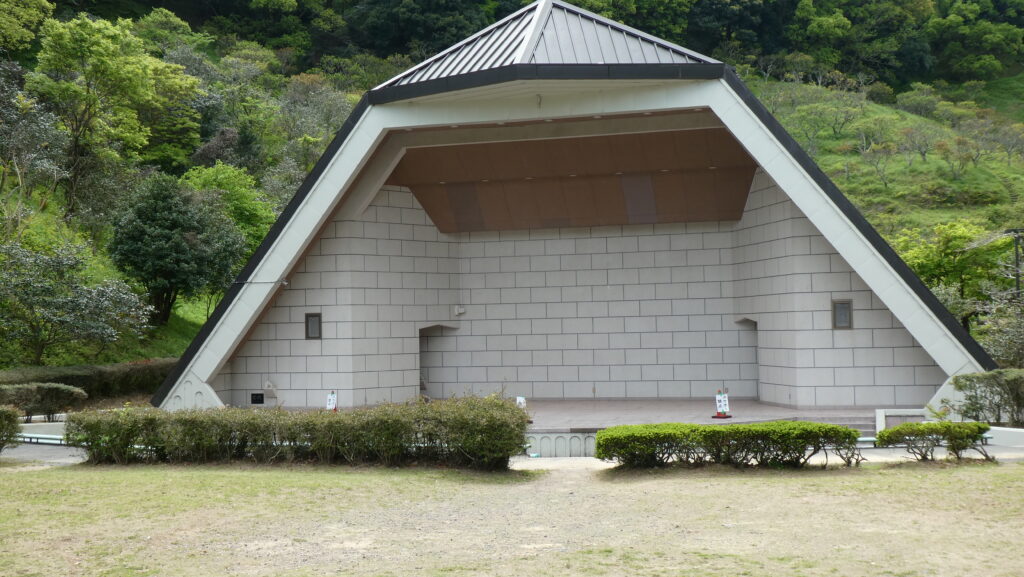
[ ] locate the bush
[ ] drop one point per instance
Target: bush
(121, 436)
(46, 399)
(9, 427)
(921, 439)
(98, 381)
(481, 433)
(773, 444)
(995, 396)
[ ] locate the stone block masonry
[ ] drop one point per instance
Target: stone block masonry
(642, 311)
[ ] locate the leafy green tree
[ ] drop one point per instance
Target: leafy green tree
(971, 44)
(47, 303)
(820, 33)
(104, 87)
(362, 72)
(960, 255)
(171, 119)
(19, 20)
(420, 28)
(921, 99)
(162, 30)
(174, 244)
(237, 192)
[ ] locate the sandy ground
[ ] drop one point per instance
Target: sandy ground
(579, 518)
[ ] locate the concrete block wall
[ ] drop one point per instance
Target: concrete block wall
(639, 311)
(785, 277)
(375, 280)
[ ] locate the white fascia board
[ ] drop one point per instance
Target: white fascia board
(539, 104)
(774, 159)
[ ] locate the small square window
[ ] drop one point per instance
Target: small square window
(313, 326)
(842, 315)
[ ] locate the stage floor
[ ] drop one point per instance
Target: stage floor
(566, 415)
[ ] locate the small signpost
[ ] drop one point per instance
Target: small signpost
(721, 406)
(332, 402)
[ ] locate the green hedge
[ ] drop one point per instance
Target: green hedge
(98, 381)
(481, 433)
(9, 427)
(773, 444)
(46, 399)
(921, 439)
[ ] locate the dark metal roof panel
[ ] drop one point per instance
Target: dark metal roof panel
(585, 38)
(494, 46)
(549, 32)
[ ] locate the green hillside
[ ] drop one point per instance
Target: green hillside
(871, 157)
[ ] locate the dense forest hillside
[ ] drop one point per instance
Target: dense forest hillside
(147, 146)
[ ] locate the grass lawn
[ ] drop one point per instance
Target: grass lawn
(906, 521)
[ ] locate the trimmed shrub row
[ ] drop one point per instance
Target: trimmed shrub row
(98, 381)
(46, 399)
(9, 427)
(773, 444)
(481, 433)
(921, 439)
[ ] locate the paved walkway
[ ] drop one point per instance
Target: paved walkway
(53, 455)
(584, 414)
(47, 455)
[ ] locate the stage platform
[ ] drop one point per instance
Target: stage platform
(567, 428)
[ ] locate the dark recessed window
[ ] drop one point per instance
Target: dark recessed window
(313, 326)
(842, 315)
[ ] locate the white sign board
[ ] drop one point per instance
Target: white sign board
(722, 402)
(332, 401)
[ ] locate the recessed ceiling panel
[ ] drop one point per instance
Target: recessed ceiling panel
(642, 178)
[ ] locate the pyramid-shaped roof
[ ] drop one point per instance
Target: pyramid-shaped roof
(549, 32)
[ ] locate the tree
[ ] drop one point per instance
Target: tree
(919, 139)
(174, 243)
(106, 90)
(1003, 333)
(162, 30)
(18, 21)
(878, 156)
(818, 34)
(1011, 139)
(30, 144)
(420, 28)
(958, 254)
(921, 99)
(236, 190)
(810, 120)
(362, 72)
(970, 45)
(957, 154)
(46, 302)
